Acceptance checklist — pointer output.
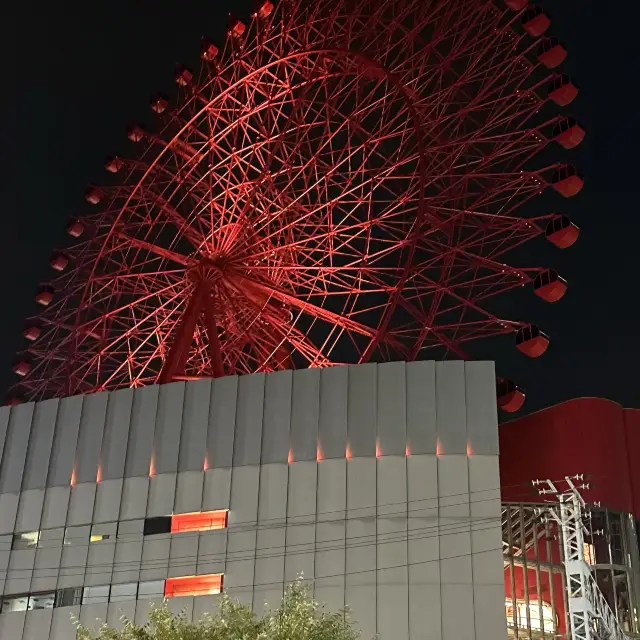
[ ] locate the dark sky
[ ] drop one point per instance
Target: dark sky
(76, 75)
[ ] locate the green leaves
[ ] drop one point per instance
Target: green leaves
(298, 617)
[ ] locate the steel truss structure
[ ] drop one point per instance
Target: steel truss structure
(590, 615)
(342, 182)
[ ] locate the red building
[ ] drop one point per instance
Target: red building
(590, 436)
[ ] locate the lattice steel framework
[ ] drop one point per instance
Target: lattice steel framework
(340, 183)
(590, 615)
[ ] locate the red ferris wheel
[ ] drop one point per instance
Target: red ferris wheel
(341, 182)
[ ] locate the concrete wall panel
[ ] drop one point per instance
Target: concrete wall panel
(305, 409)
(195, 421)
(92, 421)
(65, 440)
(142, 431)
(15, 448)
(40, 442)
(116, 434)
(408, 539)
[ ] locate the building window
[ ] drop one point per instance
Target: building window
(69, 597)
(153, 589)
(199, 521)
(518, 616)
(106, 531)
(193, 585)
(94, 595)
(155, 526)
(27, 540)
(14, 603)
(41, 601)
(122, 592)
(75, 536)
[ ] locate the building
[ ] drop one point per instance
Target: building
(601, 440)
(380, 483)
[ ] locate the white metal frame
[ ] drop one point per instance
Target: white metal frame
(590, 615)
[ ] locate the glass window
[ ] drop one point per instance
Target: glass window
(154, 589)
(41, 601)
(194, 585)
(51, 538)
(154, 526)
(77, 535)
(106, 531)
(122, 592)
(14, 603)
(92, 595)
(68, 597)
(200, 521)
(27, 540)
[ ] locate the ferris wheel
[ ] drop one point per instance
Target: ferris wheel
(342, 181)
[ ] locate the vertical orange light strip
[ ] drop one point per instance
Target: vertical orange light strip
(99, 474)
(73, 476)
(438, 447)
(348, 452)
(206, 462)
(319, 455)
(290, 457)
(469, 449)
(152, 467)
(407, 450)
(378, 449)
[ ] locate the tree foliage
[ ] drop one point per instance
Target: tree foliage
(298, 617)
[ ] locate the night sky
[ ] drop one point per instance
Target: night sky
(76, 76)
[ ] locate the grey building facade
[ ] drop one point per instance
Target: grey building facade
(379, 483)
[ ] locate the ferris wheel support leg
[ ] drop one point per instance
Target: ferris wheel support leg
(176, 359)
(217, 365)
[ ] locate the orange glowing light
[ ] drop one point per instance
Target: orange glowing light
(199, 521)
(99, 474)
(193, 585)
(73, 476)
(469, 449)
(152, 467)
(348, 452)
(378, 449)
(407, 451)
(438, 448)
(290, 457)
(206, 463)
(319, 455)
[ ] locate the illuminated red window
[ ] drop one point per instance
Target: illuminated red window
(193, 585)
(199, 521)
